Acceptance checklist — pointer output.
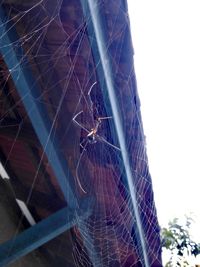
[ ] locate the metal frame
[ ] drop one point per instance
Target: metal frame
(28, 90)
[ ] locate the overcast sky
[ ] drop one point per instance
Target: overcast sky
(166, 39)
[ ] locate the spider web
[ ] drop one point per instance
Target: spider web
(54, 44)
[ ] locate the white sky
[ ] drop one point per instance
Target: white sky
(166, 40)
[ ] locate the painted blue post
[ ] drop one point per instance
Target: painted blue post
(91, 9)
(29, 92)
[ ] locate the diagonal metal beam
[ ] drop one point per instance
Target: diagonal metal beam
(42, 232)
(29, 93)
(91, 10)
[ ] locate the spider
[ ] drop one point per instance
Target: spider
(92, 138)
(92, 135)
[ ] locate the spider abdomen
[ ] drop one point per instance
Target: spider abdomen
(91, 138)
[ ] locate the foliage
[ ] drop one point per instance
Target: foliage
(176, 238)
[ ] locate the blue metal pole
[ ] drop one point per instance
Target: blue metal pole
(29, 92)
(91, 9)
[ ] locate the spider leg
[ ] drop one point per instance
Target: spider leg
(77, 167)
(81, 144)
(91, 87)
(104, 118)
(108, 143)
(78, 123)
(90, 100)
